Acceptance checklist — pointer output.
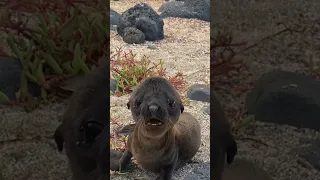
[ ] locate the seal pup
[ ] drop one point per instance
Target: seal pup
(164, 137)
(223, 144)
(84, 131)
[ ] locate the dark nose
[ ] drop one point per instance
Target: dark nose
(153, 108)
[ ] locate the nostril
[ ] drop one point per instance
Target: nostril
(153, 108)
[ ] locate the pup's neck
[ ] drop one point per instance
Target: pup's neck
(155, 142)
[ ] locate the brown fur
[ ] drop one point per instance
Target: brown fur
(166, 148)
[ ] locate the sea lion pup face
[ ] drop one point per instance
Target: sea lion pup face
(155, 106)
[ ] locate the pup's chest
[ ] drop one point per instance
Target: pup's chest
(153, 158)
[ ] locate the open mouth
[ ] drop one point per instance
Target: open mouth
(154, 122)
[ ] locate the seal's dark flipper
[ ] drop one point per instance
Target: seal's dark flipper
(58, 137)
(232, 150)
(127, 130)
(125, 159)
(115, 157)
(166, 171)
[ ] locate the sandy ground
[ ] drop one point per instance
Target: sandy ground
(250, 21)
(27, 151)
(185, 48)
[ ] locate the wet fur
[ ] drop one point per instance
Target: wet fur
(223, 146)
(89, 103)
(166, 148)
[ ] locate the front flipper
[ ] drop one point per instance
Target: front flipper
(232, 150)
(119, 160)
(125, 160)
(166, 172)
(58, 137)
(115, 157)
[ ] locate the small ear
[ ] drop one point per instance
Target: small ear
(58, 137)
(182, 108)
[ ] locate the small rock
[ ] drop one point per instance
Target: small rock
(113, 85)
(286, 98)
(312, 154)
(201, 172)
(133, 36)
(152, 46)
(10, 71)
(199, 92)
(207, 110)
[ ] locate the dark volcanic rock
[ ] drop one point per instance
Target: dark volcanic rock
(199, 92)
(198, 9)
(144, 18)
(286, 98)
(114, 17)
(148, 27)
(133, 36)
(166, 7)
(10, 71)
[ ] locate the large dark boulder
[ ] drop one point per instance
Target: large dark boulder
(198, 9)
(144, 18)
(286, 98)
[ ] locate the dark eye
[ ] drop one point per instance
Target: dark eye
(90, 130)
(171, 103)
(137, 103)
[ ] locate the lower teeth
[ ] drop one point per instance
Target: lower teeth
(153, 124)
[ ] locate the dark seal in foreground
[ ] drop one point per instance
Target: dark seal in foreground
(144, 18)
(164, 137)
(223, 144)
(84, 130)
